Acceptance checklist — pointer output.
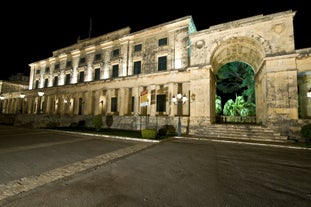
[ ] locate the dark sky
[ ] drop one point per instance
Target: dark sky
(31, 32)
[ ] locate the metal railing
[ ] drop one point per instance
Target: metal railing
(236, 119)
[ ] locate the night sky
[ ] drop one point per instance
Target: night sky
(31, 32)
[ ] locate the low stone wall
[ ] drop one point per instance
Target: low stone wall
(7, 119)
(118, 122)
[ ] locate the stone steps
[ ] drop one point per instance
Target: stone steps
(244, 132)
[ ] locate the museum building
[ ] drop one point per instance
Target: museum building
(165, 75)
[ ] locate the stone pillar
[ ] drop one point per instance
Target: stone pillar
(108, 101)
(152, 90)
(122, 101)
(97, 102)
(281, 93)
(305, 102)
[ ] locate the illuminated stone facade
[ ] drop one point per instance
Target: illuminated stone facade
(109, 75)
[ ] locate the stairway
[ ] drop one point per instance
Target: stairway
(243, 132)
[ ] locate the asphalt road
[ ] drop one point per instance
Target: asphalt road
(50, 168)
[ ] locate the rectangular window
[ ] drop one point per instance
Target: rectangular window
(38, 72)
(67, 80)
(137, 67)
(115, 52)
(37, 84)
(115, 71)
(137, 48)
(114, 104)
(98, 56)
(47, 70)
(161, 103)
(55, 81)
(68, 64)
(46, 82)
(162, 42)
(82, 61)
(57, 66)
(80, 106)
(162, 63)
(81, 76)
(97, 74)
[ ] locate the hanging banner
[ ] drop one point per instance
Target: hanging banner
(144, 98)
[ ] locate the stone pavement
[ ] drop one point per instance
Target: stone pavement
(26, 183)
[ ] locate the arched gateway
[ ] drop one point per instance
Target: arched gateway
(267, 44)
(133, 77)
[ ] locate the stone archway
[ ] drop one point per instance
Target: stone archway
(241, 49)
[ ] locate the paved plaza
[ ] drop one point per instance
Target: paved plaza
(53, 168)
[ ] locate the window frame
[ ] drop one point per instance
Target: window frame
(138, 48)
(115, 71)
(161, 103)
(162, 41)
(114, 104)
(137, 67)
(162, 65)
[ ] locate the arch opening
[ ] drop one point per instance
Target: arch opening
(235, 63)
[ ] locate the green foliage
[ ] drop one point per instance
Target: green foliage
(162, 132)
(109, 120)
(218, 105)
(229, 108)
(239, 107)
(306, 132)
(98, 122)
(149, 133)
(237, 77)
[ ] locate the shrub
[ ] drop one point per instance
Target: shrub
(98, 122)
(109, 120)
(149, 133)
(306, 132)
(162, 132)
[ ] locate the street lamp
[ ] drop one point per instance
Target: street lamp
(39, 110)
(179, 100)
(22, 96)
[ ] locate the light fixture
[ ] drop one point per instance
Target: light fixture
(309, 93)
(40, 111)
(179, 99)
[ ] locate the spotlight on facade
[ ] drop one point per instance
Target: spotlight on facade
(39, 109)
(309, 94)
(1, 104)
(22, 96)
